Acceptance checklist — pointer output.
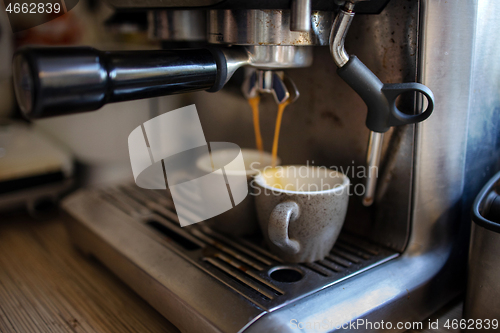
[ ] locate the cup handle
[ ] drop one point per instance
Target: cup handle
(279, 221)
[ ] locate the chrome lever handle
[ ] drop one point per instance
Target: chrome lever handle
(373, 155)
(379, 98)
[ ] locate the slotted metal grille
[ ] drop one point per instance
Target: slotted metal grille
(243, 264)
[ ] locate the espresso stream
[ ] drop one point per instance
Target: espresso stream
(254, 104)
(281, 108)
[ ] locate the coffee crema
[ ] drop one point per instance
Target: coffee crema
(274, 178)
(301, 178)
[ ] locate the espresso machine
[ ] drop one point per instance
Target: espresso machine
(350, 68)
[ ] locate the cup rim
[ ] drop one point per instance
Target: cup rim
(259, 179)
(248, 172)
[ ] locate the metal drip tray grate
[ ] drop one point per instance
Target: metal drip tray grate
(242, 264)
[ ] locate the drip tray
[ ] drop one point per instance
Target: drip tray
(241, 264)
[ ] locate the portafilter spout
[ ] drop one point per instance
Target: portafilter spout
(272, 82)
(52, 81)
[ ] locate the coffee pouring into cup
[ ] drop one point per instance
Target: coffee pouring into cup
(301, 210)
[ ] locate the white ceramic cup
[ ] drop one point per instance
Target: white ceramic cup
(302, 219)
(240, 220)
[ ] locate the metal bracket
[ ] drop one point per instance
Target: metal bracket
(270, 82)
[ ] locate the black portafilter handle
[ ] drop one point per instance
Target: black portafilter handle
(52, 81)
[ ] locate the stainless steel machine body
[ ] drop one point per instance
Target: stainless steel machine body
(398, 260)
(482, 302)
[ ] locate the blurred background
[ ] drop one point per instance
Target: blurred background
(41, 160)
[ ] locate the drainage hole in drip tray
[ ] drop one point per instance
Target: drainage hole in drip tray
(286, 274)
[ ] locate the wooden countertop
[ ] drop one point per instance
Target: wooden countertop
(47, 285)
